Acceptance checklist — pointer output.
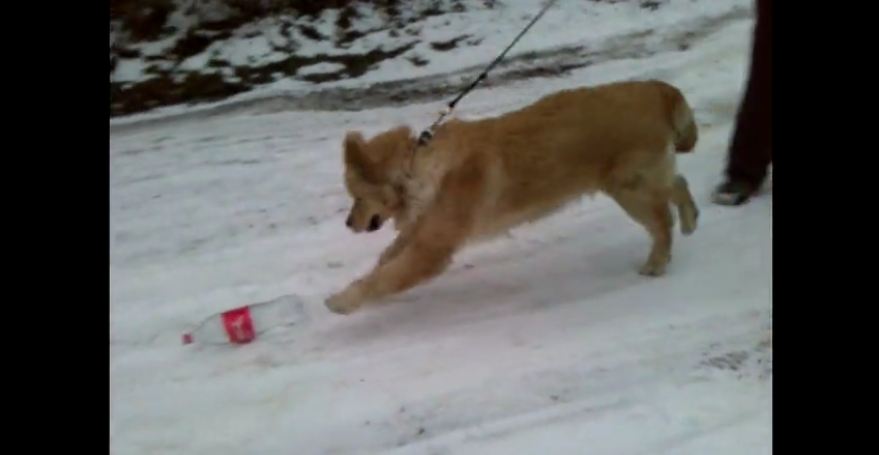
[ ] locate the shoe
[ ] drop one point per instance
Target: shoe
(733, 192)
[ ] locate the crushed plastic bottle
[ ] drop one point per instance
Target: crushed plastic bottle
(242, 325)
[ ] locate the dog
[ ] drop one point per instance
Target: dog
(477, 179)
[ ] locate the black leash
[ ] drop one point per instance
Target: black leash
(427, 134)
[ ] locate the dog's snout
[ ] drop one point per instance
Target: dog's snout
(374, 223)
(350, 221)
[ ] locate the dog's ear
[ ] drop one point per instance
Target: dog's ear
(356, 157)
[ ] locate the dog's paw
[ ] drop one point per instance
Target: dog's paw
(653, 268)
(345, 302)
(690, 221)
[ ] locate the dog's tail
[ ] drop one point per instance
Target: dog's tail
(686, 133)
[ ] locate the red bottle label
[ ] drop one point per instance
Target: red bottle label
(239, 325)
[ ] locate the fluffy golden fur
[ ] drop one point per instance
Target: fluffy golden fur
(476, 179)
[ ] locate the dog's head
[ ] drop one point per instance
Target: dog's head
(373, 174)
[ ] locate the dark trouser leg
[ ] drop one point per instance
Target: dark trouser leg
(751, 150)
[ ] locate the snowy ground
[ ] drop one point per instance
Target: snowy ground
(544, 342)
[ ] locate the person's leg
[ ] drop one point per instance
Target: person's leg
(751, 150)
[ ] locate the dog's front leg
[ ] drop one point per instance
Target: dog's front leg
(425, 252)
(416, 263)
(394, 249)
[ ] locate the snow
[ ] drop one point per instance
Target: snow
(243, 51)
(567, 24)
(591, 25)
(319, 68)
(547, 341)
(130, 70)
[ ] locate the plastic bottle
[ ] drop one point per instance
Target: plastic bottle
(242, 325)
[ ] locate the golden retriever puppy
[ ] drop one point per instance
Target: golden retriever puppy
(476, 179)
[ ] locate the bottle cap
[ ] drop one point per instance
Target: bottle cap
(187, 338)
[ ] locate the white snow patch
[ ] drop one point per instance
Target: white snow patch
(320, 68)
(130, 70)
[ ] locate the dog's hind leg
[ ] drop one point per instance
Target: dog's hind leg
(683, 200)
(650, 208)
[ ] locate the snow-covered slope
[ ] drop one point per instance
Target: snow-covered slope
(433, 43)
(544, 342)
